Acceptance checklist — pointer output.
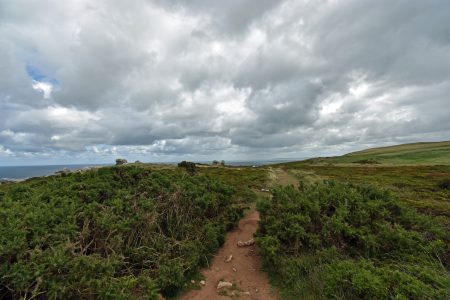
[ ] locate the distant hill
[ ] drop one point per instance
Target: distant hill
(432, 153)
(404, 148)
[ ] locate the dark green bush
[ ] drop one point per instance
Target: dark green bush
(369, 161)
(113, 233)
(352, 242)
(445, 184)
(189, 166)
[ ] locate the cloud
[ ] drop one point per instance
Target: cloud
(89, 80)
(5, 152)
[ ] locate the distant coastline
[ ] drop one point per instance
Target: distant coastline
(19, 173)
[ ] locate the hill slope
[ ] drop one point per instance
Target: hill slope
(408, 154)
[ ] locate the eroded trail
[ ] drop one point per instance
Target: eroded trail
(279, 176)
(244, 269)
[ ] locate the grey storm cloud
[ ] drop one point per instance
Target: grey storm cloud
(90, 80)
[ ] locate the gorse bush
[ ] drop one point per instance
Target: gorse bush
(445, 184)
(189, 166)
(112, 233)
(368, 161)
(343, 241)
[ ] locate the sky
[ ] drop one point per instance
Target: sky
(87, 81)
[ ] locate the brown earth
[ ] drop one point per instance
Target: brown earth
(244, 270)
(248, 276)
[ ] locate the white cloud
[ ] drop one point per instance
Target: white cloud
(231, 79)
(44, 87)
(5, 152)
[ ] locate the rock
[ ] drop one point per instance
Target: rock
(224, 284)
(121, 161)
(202, 282)
(62, 172)
(192, 281)
(246, 293)
(234, 270)
(229, 258)
(246, 243)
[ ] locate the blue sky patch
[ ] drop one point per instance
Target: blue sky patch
(38, 75)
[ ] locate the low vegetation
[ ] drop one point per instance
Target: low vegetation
(368, 161)
(445, 184)
(420, 187)
(344, 241)
(189, 166)
(408, 154)
(244, 180)
(368, 225)
(113, 233)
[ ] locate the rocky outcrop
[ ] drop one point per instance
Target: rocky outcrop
(121, 161)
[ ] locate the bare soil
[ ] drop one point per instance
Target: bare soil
(244, 270)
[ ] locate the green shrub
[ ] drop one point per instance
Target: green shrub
(369, 161)
(113, 233)
(189, 166)
(445, 184)
(351, 242)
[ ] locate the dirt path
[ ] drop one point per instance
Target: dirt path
(244, 269)
(279, 176)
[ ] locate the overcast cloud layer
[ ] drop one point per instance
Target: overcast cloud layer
(88, 81)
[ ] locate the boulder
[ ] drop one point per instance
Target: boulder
(224, 284)
(246, 243)
(121, 161)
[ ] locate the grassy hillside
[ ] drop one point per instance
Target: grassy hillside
(113, 233)
(408, 154)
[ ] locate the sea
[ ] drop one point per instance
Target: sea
(258, 162)
(23, 172)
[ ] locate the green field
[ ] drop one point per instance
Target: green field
(436, 153)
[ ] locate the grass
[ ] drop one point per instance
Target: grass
(418, 186)
(408, 154)
(245, 180)
(404, 148)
